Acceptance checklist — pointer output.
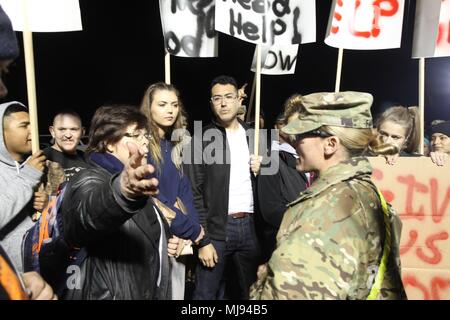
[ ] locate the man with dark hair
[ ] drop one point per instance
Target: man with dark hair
(223, 183)
(17, 180)
(66, 131)
(18, 177)
(440, 142)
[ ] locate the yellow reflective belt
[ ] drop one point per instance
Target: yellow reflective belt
(375, 291)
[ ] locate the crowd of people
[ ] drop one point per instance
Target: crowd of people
(147, 207)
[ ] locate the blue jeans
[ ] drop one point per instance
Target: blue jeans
(240, 252)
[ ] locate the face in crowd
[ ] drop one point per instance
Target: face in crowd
(310, 149)
(392, 133)
(164, 109)
(309, 146)
(440, 142)
(132, 134)
(67, 132)
(224, 102)
(17, 134)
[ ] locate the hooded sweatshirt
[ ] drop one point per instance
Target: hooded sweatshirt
(17, 183)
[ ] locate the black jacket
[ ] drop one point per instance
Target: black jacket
(209, 172)
(275, 192)
(121, 237)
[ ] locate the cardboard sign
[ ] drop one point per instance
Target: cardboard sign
(188, 27)
(365, 24)
(277, 60)
(268, 22)
(432, 29)
(44, 15)
(422, 199)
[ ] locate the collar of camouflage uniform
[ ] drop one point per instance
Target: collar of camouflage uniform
(345, 170)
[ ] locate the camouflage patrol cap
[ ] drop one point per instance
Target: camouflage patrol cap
(348, 109)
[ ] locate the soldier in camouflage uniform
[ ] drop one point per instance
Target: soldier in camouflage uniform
(331, 239)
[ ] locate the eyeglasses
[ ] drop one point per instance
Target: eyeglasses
(139, 136)
(228, 98)
(314, 133)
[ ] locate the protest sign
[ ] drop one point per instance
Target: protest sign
(365, 24)
(188, 27)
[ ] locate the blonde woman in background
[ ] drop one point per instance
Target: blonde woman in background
(399, 126)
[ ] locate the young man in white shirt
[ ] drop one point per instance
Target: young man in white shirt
(223, 180)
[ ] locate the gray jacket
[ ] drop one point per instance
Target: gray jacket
(17, 183)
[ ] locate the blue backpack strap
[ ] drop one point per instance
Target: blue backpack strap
(30, 257)
(76, 256)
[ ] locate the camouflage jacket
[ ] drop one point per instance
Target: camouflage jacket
(330, 242)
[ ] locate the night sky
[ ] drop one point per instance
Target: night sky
(121, 51)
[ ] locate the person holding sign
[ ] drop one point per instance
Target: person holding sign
(13, 284)
(339, 239)
(223, 176)
(20, 175)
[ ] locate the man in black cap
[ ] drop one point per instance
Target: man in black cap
(440, 142)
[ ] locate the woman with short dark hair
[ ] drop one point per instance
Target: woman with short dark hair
(107, 211)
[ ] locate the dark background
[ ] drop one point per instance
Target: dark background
(121, 51)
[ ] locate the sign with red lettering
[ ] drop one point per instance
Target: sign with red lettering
(422, 199)
(277, 60)
(365, 24)
(432, 29)
(44, 15)
(188, 27)
(268, 22)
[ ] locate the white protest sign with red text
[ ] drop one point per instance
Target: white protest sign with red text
(365, 24)
(432, 29)
(422, 199)
(443, 40)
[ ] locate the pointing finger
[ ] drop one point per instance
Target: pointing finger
(135, 158)
(143, 171)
